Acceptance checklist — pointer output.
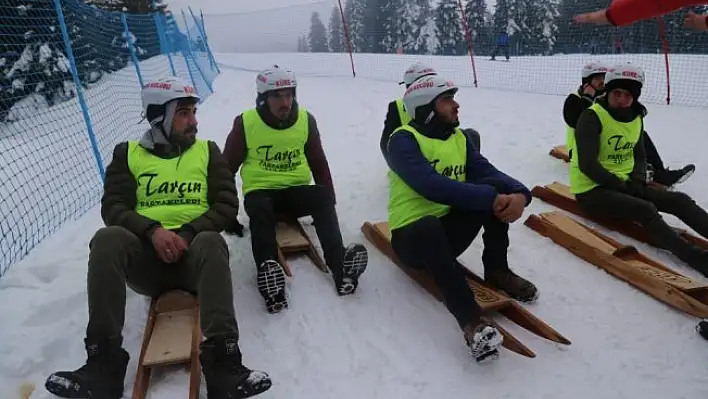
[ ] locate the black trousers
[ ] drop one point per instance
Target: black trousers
(644, 208)
(434, 244)
(263, 206)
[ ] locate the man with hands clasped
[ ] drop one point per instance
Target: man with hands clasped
(442, 192)
(166, 198)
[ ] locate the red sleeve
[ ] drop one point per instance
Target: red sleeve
(625, 12)
(317, 159)
(235, 147)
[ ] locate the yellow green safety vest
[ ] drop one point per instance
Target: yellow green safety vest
(616, 155)
(402, 113)
(570, 133)
(275, 159)
(448, 157)
(170, 191)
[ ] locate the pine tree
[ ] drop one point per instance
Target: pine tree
(354, 15)
(34, 57)
(336, 33)
(392, 33)
(451, 39)
(411, 19)
(374, 30)
(581, 38)
(419, 16)
(480, 31)
(501, 19)
(532, 25)
(318, 35)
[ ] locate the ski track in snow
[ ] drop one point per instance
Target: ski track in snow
(391, 339)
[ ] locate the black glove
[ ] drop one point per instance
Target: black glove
(238, 229)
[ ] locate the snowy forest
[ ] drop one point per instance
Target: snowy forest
(530, 27)
(33, 57)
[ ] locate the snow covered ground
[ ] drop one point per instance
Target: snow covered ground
(392, 340)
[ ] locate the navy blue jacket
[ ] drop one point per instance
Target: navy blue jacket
(477, 193)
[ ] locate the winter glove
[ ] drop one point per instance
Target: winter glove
(238, 229)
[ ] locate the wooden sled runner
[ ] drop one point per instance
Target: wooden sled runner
(489, 298)
(559, 195)
(292, 239)
(623, 262)
(560, 152)
(172, 336)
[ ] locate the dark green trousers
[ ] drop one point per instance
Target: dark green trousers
(118, 258)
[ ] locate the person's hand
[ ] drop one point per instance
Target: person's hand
(589, 90)
(696, 21)
(168, 245)
(500, 203)
(515, 205)
(598, 17)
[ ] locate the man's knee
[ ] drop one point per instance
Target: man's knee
(113, 237)
(257, 202)
(209, 240)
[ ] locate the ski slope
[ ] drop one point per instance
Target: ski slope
(391, 339)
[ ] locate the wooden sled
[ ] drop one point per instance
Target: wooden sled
(560, 152)
(172, 336)
(559, 195)
(489, 298)
(623, 262)
(292, 239)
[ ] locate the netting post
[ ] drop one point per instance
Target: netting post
(164, 44)
(212, 61)
(662, 32)
(186, 29)
(346, 36)
(468, 37)
(79, 90)
(129, 41)
(201, 73)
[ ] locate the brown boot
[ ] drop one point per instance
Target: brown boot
(483, 340)
(516, 287)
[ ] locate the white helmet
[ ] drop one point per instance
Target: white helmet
(159, 92)
(425, 90)
(625, 76)
(594, 68)
(415, 72)
(275, 78)
(625, 72)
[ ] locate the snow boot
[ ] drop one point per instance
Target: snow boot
(102, 377)
(670, 178)
(355, 261)
(483, 340)
(702, 328)
(513, 285)
(271, 285)
(225, 375)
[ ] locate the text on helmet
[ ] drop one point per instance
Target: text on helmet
(420, 85)
(159, 85)
(283, 82)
